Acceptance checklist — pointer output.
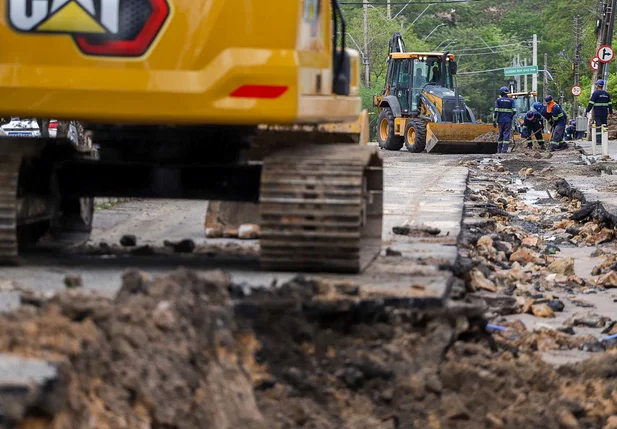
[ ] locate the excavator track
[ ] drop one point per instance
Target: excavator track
(9, 175)
(321, 208)
(33, 213)
(12, 152)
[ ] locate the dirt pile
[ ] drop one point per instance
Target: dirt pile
(164, 353)
(489, 137)
(186, 351)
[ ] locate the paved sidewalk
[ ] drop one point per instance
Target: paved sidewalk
(598, 189)
(419, 190)
(588, 148)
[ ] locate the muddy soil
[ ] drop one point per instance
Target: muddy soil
(187, 351)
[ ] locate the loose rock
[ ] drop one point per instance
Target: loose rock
(542, 310)
(478, 281)
(214, 232)
(128, 240)
(249, 232)
(563, 266)
(392, 252)
(72, 281)
(415, 230)
(525, 255)
(556, 305)
(608, 280)
(590, 320)
(183, 246)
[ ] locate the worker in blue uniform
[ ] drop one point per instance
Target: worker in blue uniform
(503, 115)
(558, 119)
(571, 130)
(602, 105)
(533, 125)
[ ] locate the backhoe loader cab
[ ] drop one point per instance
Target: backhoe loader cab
(523, 102)
(420, 106)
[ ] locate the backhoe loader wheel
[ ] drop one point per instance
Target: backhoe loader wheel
(385, 131)
(415, 136)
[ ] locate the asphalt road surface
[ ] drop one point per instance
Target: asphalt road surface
(420, 189)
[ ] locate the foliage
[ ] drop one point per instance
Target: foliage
(485, 35)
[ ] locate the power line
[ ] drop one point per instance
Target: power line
(483, 48)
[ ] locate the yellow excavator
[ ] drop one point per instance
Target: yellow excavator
(208, 100)
(420, 106)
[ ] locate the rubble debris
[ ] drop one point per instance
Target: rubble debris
(500, 304)
(478, 281)
(592, 345)
(608, 280)
(230, 233)
(542, 310)
(216, 232)
(525, 255)
(392, 252)
(563, 266)
(182, 246)
(591, 320)
(580, 303)
(27, 384)
(415, 230)
(531, 241)
(146, 250)
(73, 281)
(586, 210)
(556, 305)
(248, 232)
(128, 240)
(611, 328)
(551, 249)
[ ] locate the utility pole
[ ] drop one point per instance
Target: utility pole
(517, 63)
(605, 35)
(609, 38)
(389, 11)
(577, 61)
(534, 59)
(525, 77)
(367, 72)
(545, 83)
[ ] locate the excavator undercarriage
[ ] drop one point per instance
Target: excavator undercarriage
(320, 203)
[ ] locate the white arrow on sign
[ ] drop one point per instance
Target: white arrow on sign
(605, 54)
(576, 90)
(594, 63)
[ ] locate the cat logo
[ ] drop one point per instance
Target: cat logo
(117, 28)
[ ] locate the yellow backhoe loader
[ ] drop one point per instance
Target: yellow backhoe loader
(421, 108)
(212, 100)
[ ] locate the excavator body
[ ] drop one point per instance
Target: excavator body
(219, 100)
(421, 108)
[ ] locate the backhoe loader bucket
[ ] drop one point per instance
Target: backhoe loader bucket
(460, 138)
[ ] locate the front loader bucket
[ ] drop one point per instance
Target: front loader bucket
(460, 138)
